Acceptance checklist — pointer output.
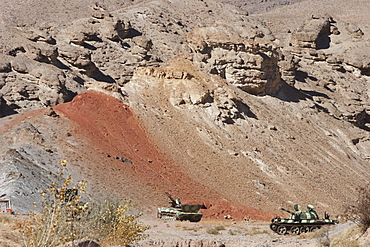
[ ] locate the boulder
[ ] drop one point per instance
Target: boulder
(5, 63)
(23, 64)
(42, 52)
(114, 30)
(50, 112)
(79, 57)
(354, 30)
(82, 32)
(99, 11)
(39, 35)
(359, 56)
(359, 119)
(143, 42)
(314, 33)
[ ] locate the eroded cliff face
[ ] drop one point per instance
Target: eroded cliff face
(237, 54)
(262, 118)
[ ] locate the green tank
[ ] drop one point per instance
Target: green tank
(300, 221)
(178, 211)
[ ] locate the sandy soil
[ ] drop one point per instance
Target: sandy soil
(229, 233)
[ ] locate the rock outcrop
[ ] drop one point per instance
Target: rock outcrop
(188, 88)
(324, 42)
(42, 66)
(314, 33)
(243, 60)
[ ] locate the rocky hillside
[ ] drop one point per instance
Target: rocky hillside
(196, 98)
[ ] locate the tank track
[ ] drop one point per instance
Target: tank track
(166, 216)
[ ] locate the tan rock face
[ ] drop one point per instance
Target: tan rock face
(187, 88)
(106, 45)
(44, 65)
(288, 64)
(250, 65)
(314, 33)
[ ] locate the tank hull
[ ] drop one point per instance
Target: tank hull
(296, 227)
(180, 213)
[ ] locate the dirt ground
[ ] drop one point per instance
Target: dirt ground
(208, 232)
(229, 233)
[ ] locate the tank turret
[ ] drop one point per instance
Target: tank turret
(300, 221)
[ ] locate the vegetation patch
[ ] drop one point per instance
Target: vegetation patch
(213, 231)
(216, 229)
(5, 219)
(360, 211)
(64, 218)
(347, 238)
(190, 228)
(235, 232)
(257, 230)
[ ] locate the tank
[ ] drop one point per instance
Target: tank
(178, 211)
(300, 221)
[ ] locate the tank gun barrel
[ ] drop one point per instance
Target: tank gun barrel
(286, 210)
(169, 196)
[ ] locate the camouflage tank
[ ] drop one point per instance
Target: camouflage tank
(179, 211)
(300, 221)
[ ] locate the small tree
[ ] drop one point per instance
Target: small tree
(65, 219)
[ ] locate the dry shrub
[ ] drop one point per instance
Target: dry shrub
(191, 228)
(322, 236)
(65, 219)
(257, 231)
(6, 219)
(216, 230)
(220, 228)
(116, 226)
(347, 238)
(213, 231)
(360, 212)
(235, 232)
(9, 234)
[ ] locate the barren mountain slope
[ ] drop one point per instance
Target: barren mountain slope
(105, 144)
(254, 111)
(279, 152)
(133, 166)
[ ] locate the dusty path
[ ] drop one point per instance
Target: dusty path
(228, 233)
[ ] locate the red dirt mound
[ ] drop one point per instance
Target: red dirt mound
(113, 129)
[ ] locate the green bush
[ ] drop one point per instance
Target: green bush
(64, 218)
